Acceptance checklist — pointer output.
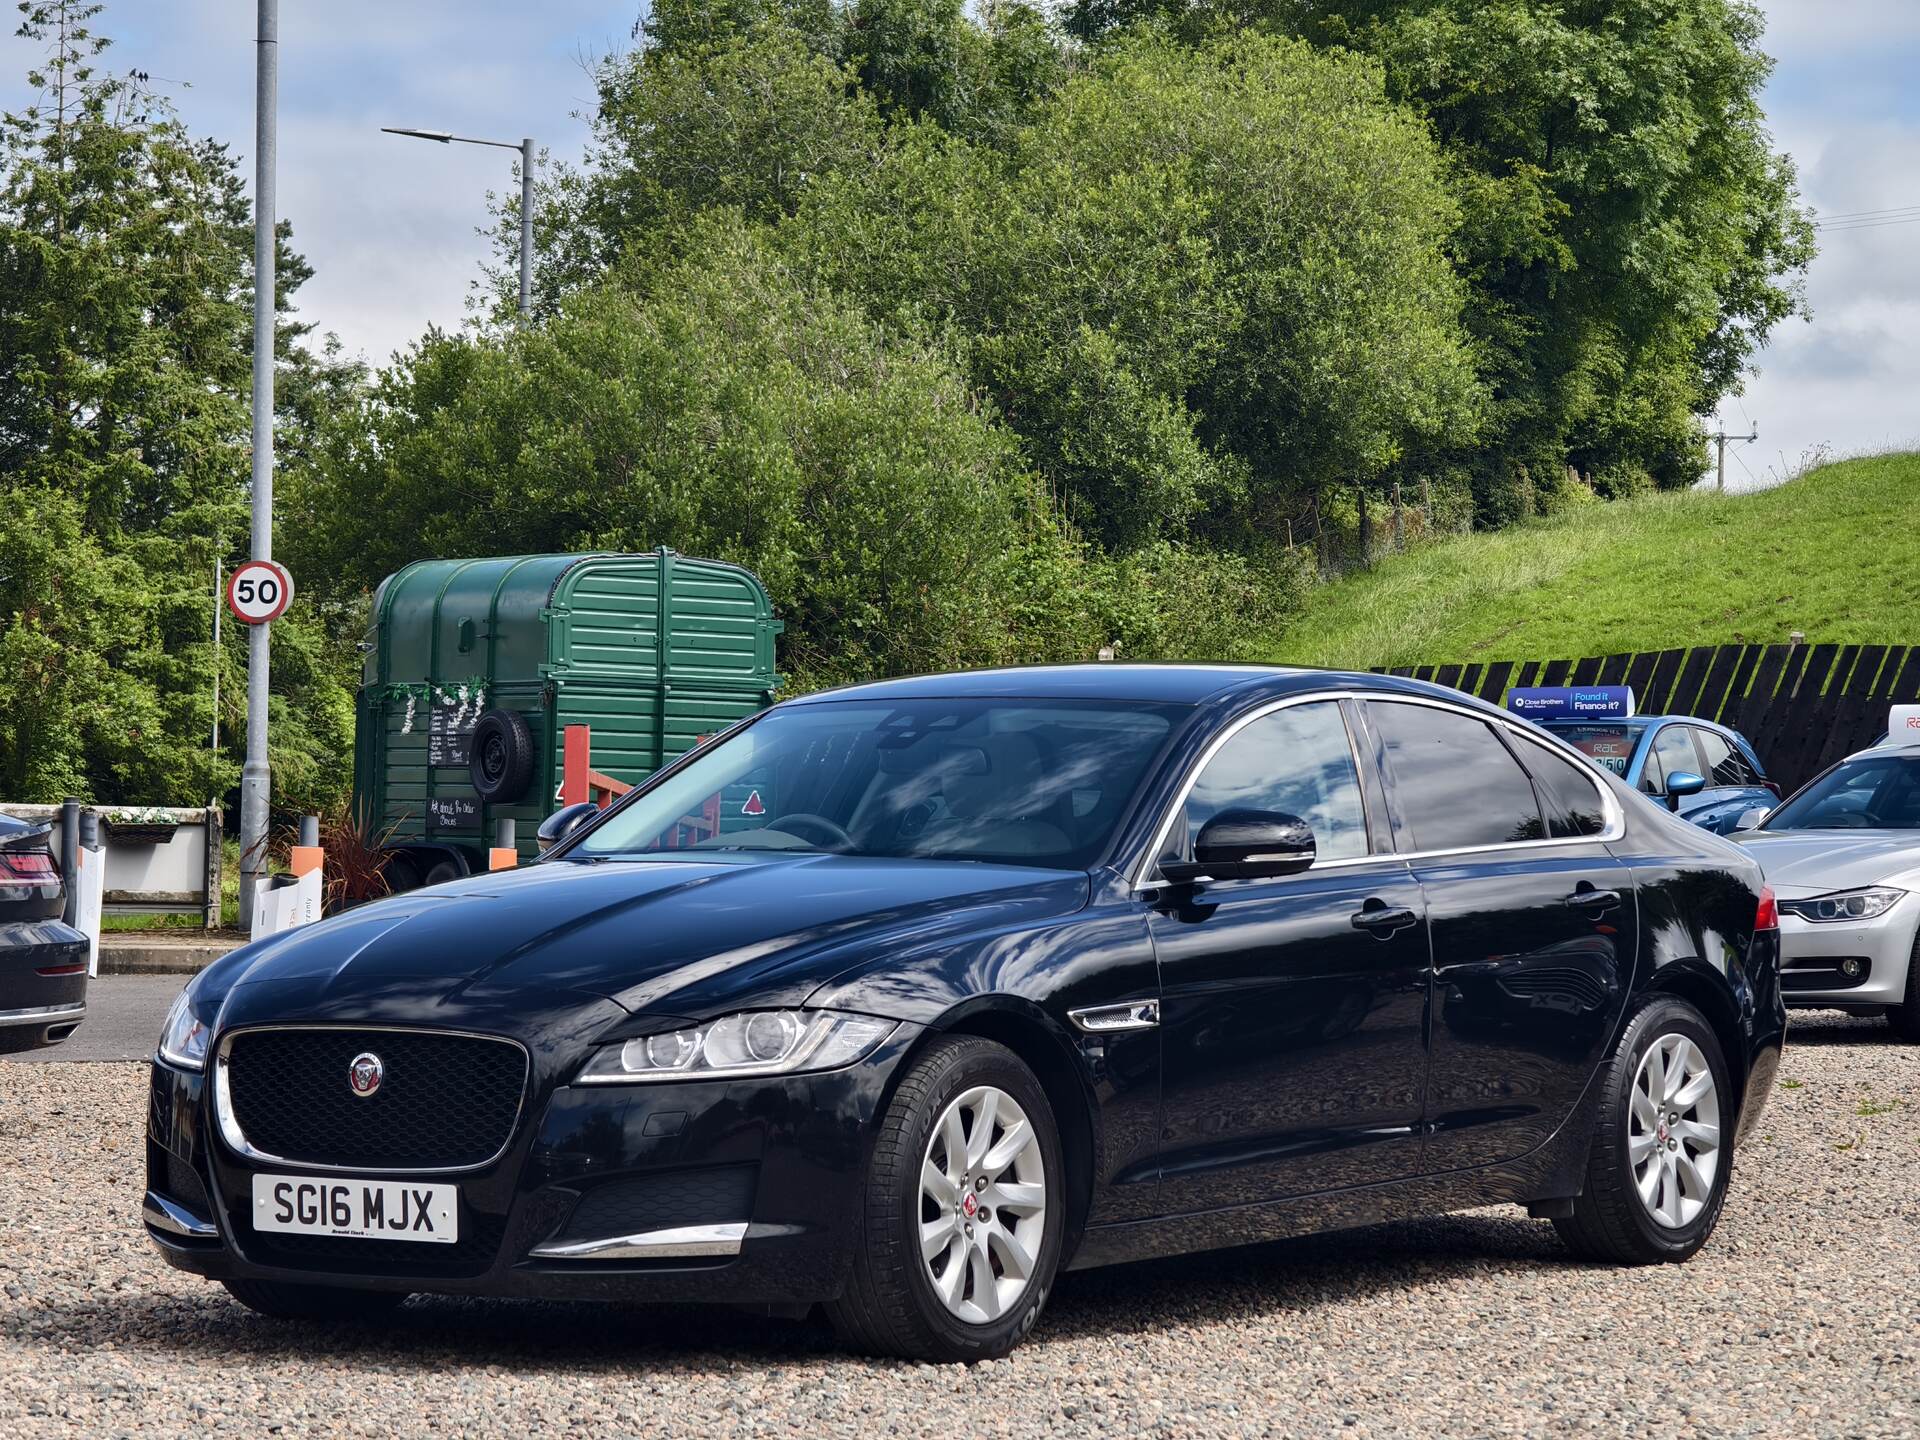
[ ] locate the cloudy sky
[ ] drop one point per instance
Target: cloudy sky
(390, 223)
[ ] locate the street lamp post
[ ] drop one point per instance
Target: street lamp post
(255, 777)
(525, 147)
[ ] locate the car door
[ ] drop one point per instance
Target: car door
(1733, 784)
(1532, 923)
(1293, 1010)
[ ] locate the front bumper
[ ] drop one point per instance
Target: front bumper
(43, 983)
(1811, 954)
(744, 1191)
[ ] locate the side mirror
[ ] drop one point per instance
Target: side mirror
(1683, 782)
(1246, 845)
(563, 822)
(1750, 819)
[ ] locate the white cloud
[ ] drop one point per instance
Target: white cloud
(1841, 103)
(388, 223)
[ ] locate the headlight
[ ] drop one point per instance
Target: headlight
(183, 1038)
(756, 1042)
(1845, 904)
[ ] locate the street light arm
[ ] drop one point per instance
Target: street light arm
(447, 138)
(525, 147)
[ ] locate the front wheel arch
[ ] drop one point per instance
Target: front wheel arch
(1025, 1030)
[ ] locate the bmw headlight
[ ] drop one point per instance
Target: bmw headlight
(1864, 904)
(183, 1038)
(755, 1042)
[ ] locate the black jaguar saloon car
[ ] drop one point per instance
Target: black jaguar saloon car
(903, 998)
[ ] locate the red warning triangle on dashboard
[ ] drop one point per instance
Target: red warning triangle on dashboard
(753, 805)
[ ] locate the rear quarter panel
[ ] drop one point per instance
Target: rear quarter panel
(1699, 897)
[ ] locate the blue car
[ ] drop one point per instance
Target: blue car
(1706, 773)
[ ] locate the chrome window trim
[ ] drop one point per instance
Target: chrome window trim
(237, 1141)
(1610, 808)
(683, 1240)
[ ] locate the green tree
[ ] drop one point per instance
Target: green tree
(720, 405)
(1629, 232)
(125, 362)
(1199, 283)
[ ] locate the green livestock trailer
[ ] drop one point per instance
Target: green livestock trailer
(474, 669)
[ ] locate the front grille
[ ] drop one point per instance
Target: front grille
(445, 1101)
(472, 1254)
(710, 1196)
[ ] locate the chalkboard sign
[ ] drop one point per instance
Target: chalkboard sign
(453, 812)
(450, 735)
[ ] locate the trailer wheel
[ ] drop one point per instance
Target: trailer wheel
(502, 756)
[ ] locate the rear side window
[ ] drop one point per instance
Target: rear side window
(1725, 765)
(1569, 796)
(1458, 786)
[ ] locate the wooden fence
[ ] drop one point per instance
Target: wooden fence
(1802, 706)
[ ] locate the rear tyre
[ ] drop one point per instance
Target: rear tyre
(441, 871)
(963, 1211)
(1663, 1145)
(1905, 1017)
(313, 1302)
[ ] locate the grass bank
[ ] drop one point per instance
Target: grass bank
(1834, 554)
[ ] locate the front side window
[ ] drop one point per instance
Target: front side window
(1457, 785)
(1025, 782)
(1672, 752)
(1296, 761)
(1874, 793)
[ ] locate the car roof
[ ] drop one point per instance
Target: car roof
(1911, 751)
(1107, 680)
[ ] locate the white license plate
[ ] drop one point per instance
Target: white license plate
(357, 1209)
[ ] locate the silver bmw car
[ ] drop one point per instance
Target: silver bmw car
(1843, 857)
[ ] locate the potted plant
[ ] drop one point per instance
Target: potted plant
(151, 825)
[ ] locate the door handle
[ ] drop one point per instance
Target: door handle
(1379, 921)
(1589, 898)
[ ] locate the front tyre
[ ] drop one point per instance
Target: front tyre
(1662, 1149)
(1905, 1017)
(963, 1210)
(313, 1302)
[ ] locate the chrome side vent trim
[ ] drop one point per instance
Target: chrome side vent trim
(1117, 1019)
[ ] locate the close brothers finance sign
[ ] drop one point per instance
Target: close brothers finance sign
(1572, 702)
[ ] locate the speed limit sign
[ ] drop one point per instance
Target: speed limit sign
(258, 591)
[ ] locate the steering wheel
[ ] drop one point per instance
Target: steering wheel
(800, 821)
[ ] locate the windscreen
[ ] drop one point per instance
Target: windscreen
(1610, 746)
(1880, 792)
(1024, 782)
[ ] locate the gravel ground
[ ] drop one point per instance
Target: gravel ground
(1802, 1317)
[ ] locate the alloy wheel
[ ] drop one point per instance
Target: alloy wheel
(983, 1204)
(1673, 1131)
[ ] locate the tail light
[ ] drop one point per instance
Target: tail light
(33, 866)
(1774, 786)
(1767, 916)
